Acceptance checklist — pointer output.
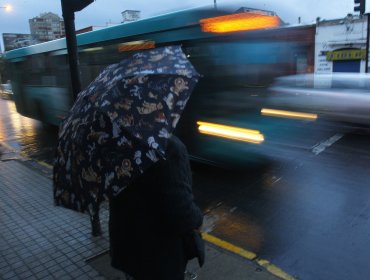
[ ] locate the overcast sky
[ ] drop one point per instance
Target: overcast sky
(102, 11)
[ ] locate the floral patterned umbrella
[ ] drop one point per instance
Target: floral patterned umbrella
(119, 126)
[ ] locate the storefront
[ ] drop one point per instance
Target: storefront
(340, 45)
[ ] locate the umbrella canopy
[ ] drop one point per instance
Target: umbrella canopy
(119, 126)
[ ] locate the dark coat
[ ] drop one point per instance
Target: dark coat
(149, 219)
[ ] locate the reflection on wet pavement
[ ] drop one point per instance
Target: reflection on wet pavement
(26, 136)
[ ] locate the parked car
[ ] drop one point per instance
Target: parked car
(341, 97)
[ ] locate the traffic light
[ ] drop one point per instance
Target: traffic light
(359, 6)
(79, 5)
(76, 5)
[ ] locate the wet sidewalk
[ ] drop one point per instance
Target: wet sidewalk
(41, 241)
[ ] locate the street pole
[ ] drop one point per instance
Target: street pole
(69, 7)
(215, 4)
(367, 44)
(71, 40)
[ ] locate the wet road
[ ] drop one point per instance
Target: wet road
(25, 135)
(309, 215)
(307, 210)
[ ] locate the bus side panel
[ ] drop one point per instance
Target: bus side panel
(41, 87)
(47, 104)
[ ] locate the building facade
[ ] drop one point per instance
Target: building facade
(47, 27)
(130, 15)
(341, 45)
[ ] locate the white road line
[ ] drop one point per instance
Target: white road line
(320, 147)
(277, 180)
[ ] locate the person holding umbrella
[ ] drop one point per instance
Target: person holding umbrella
(117, 143)
(153, 222)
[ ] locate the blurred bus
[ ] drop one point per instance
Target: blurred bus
(237, 54)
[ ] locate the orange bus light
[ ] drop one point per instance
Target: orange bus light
(136, 45)
(239, 22)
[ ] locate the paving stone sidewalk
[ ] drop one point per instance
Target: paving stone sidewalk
(41, 241)
(37, 239)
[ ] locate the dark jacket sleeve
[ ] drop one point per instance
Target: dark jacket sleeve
(179, 209)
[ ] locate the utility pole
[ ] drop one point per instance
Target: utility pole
(69, 7)
(215, 4)
(367, 44)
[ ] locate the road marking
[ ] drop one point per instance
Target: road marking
(248, 255)
(44, 164)
(228, 246)
(277, 180)
(274, 269)
(320, 147)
